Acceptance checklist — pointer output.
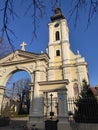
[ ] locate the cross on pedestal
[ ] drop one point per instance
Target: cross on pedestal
(23, 46)
(51, 113)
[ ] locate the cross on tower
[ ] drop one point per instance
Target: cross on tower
(23, 46)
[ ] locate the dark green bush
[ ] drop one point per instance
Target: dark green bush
(4, 121)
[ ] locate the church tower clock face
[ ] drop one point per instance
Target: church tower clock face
(56, 25)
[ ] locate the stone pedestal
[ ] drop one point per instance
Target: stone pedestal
(36, 122)
(36, 117)
(1, 97)
(63, 123)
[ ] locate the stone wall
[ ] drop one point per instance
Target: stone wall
(82, 126)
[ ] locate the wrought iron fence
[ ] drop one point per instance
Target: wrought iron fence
(50, 108)
(84, 110)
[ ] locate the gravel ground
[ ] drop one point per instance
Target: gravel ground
(16, 124)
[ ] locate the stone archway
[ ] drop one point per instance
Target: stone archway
(21, 60)
(6, 76)
(16, 98)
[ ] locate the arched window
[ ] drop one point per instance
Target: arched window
(76, 89)
(57, 35)
(57, 52)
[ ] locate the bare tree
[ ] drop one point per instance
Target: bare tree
(20, 91)
(36, 6)
(22, 88)
(4, 48)
(89, 6)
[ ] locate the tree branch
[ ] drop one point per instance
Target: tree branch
(78, 5)
(5, 30)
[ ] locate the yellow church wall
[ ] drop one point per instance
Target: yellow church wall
(72, 57)
(72, 62)
(73, 73)
(58, 74)
(57, 63)
(85, 74)
(57, 59)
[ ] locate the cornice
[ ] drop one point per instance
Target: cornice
(28, 57)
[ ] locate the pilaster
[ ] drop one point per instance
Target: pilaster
(64, 31)
(36, 117)
(1, 97)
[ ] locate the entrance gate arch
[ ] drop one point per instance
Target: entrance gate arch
(21, 60)
(8, 73)
(37, 67)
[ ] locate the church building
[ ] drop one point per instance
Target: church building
(63, 63)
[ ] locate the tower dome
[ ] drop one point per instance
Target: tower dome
(57, 15)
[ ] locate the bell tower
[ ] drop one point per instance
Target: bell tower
(58, 47)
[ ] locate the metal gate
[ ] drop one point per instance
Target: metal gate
(51, 125)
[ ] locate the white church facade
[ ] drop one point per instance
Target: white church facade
(59, 72)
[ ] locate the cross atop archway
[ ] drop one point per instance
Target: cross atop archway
(23, 46)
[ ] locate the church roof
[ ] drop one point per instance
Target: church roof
(57, 15)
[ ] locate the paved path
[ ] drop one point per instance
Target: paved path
(16, 124)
